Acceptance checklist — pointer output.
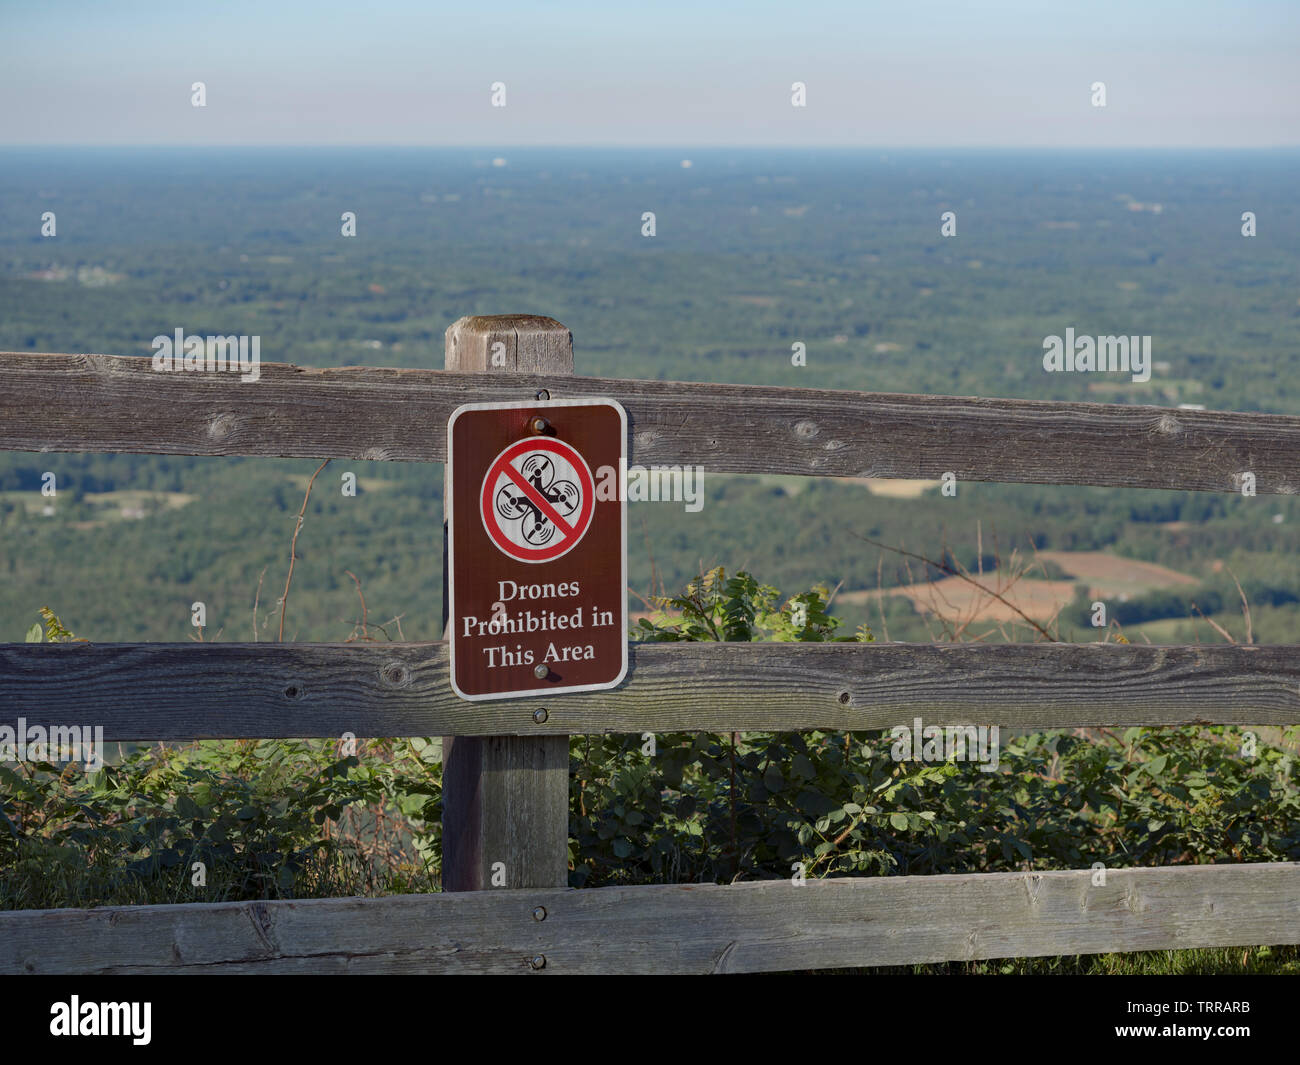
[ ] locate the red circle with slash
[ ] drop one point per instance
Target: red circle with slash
(537, 500)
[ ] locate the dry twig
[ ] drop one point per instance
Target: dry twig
(293, 546)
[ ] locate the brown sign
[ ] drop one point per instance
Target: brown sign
(537, 547)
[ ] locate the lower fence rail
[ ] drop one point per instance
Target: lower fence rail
(176, 692)
(683, 928)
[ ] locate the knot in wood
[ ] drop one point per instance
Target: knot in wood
(223, 426)
(104, 364)
(395, 675)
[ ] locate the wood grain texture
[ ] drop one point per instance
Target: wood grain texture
(753, 927)
(505, 799)
(185, 691)
(530, 343)
(103, 403)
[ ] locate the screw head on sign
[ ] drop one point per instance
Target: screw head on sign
(539, 914)
(538, 961)
(540, 672)
(540, 715)
(539, 424)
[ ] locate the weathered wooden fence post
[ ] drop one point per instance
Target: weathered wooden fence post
(505, 799)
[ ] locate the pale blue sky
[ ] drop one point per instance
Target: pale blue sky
(663, 73)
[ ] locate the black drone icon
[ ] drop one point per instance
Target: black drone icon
(513, 503)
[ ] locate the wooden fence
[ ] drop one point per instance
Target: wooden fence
(506, 763)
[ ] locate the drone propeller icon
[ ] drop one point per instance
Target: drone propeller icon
(514, 505)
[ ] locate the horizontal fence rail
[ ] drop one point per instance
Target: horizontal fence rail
(697, 928)
(186, 691)
(105, 403)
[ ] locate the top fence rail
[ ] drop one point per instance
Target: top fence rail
(108, 404)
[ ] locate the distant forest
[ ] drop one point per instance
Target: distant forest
(753, 252)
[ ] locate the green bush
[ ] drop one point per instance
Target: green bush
(750, 806)
(281, 819)
(255, 816)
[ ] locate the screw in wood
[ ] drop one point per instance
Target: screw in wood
(538, 961)
(540, 715)
(539, 914)
(543, 394)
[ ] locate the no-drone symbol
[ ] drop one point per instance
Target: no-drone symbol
(537, 500)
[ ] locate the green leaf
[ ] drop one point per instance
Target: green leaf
(34, 634)
(814, 803)
(899, 821)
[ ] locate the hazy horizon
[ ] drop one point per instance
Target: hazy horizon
(1009, 74)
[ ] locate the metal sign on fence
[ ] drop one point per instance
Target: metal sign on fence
(537, 547)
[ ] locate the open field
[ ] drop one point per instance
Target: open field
(124, 503)
(1110, 575)
(896, 488)
(952, 597)
(1107, 577)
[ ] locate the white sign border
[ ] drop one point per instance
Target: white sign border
(448, 481)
